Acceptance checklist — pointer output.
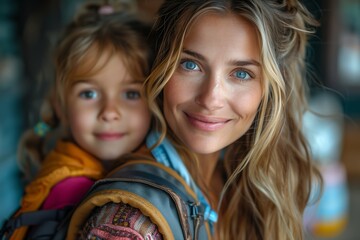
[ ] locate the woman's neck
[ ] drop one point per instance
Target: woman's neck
(208, 164)
(212, 176)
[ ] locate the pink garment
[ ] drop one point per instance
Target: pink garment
(119, 221)
(68, 192)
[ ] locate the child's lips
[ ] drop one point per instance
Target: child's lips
(109, 136)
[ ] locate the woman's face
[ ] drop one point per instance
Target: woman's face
(212, 98)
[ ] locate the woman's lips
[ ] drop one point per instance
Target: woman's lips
(109, 136)
(206, 123)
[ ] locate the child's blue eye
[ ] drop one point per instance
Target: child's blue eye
(190, 65)
(89, 94)
(133, 95)
(243, 75)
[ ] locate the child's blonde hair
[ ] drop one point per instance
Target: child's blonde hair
(90, 35)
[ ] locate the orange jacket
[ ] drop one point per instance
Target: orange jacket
(66, 160)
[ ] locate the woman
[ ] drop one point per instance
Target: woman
(228, 90)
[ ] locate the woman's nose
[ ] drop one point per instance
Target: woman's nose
(110, 110)
(211, 93)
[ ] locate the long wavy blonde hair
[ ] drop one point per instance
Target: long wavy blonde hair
(269, 170)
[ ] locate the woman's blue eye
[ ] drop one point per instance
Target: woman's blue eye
(190, 65)
(88, 94)
(242, 75)
(132, 95)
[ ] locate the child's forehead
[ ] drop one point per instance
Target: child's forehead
(100, 70)
(92, 60)
(97, 57)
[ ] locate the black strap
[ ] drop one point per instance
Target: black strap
(33, 218)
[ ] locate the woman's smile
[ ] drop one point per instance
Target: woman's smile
(206, 123)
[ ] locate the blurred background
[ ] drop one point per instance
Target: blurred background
(28, 30)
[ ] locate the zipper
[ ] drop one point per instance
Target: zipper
(194, 210)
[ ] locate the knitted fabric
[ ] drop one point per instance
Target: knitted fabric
(119, 221)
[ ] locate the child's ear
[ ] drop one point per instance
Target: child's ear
(61, 115)
(60, 111)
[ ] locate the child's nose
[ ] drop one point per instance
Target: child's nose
(110, 111)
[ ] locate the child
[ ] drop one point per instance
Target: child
(101, 63)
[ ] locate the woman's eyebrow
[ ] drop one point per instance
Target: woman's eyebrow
(233, 62)
(194, 54)
(245, 62)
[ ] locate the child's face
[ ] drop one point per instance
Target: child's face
(106, 113)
